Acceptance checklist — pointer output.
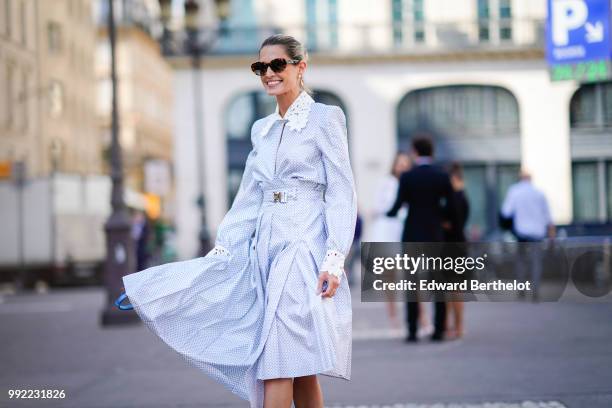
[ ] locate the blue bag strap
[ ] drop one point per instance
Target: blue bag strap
(120, 299)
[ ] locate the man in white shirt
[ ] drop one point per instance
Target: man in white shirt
(528, 208)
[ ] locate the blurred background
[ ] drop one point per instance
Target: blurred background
(471, 73)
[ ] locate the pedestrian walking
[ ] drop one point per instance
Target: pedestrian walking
(269, 307)
(427, 190)
(527, 210)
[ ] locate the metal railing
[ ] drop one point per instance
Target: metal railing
(403, 37)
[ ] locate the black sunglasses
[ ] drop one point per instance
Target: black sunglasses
(277, 65)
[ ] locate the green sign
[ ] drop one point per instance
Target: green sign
(587, 71)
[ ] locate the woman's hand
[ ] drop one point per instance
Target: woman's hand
(332, 284)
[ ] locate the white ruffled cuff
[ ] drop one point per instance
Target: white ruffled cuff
(333, 263)
(219, 250)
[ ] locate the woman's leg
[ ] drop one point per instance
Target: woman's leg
(449, 311)
(278, 393)
(456, 307)
(307, 392)
(458, 311)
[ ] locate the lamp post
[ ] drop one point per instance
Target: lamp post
(120, 260)
(165, 12)
(18, 170)
(195, 47)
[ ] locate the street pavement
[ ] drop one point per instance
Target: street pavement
(513, 355)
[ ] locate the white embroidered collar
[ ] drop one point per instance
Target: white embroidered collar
(296, 115)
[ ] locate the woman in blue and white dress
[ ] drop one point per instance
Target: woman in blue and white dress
(269, 307)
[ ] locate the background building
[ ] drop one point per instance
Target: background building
(470, 72)
(52, 191)
(145, 103)
(19, 122)
(54, 129)
(47, 88)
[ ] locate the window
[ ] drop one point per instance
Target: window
(408, 17)
(397, 18)
(494, 20)
(54, 37)
(7, 18)
(607, 103)
(477, 126)
(10, 99)
(57, 98)
(23, 22)
(505, 20)
(592, 190)
(483, 9)
(505, 10)
(322, 23)
(22, 102)
(585, 191)
(476, 193)
(483, 20)
(467, 110)
(418, 14)
(582, 107)
(333, 23)
(242, 113)
(505, 33)
(591, 106)
(591, 126)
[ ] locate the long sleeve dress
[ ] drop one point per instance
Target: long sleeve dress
(248, 310)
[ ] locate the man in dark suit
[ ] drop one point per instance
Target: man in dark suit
(428, 192)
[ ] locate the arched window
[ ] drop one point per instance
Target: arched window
(591, 106)
(591, 150)
(475, 125)
(459, 111)
(242, 111)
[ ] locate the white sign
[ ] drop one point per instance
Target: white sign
(157, 177)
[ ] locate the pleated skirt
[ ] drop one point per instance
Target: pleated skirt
(254, 315)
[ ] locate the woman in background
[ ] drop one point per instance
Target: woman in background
(454, 232)
(389, 229)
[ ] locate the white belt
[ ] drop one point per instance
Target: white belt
(291, 194)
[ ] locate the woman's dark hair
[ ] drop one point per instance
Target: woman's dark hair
(293, 48)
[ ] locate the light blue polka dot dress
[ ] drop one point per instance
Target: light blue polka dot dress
(248, 310)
